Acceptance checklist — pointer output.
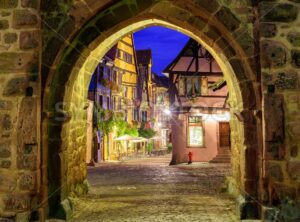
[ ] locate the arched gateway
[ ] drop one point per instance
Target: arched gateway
(65, 94)
(76, 34)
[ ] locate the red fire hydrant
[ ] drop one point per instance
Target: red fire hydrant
(190, 157)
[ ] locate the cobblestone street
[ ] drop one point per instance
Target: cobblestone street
(151, 190)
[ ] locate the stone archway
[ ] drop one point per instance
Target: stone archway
(69, 70)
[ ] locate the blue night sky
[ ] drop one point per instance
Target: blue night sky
(165, 45)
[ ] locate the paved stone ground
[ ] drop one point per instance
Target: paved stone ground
(151, 190)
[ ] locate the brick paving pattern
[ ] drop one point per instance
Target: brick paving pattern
(151, 190)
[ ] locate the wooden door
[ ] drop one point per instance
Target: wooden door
(224, 134)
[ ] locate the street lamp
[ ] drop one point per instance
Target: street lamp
(167, 112)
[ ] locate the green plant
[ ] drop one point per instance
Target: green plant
(150, 147)
(146, 133)
(107, 121)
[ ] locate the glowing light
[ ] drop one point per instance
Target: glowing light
(167, 112)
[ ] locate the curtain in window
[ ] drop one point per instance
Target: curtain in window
(189, 86)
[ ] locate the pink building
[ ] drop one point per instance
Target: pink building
(200, 115)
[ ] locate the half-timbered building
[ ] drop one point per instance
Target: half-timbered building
(200, 115)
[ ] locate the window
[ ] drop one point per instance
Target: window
(134, 93)
(127, 57)
(120, 104)
(195, 132)
(126, 113)
(190, 86)
(119, 78)
(160, 99)
(125, 92)
(107, 102)
(136, 115)
(100, 100)
(119, 53)
(144, 116)
(114, 76)
(224, 134)
(114, 103)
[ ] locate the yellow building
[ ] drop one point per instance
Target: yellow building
(124, 76)
(126, 72)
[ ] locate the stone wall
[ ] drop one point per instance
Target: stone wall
(20, 42)
(280, 56)
(71, 32)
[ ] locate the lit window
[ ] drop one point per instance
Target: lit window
(195, 132)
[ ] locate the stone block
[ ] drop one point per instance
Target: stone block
(27, 162)
(16, 87)
(209, 5)
(10, 38)
(228, 19)
(294, 38)
(27, 181)
(279, 12)
(12, 62)
(24, 19)
(5, 122)
(246, 41)
(294, 169)
(285, 191)
(238, 69)
(267, 79)
(268, 30)
(294, 151)
(30, 3)
(197, 21)
(249, 98)
(8, 181)
(273, 117)
(5, 150)
(213, 33)
(15, 202)
(273, 54)
(7, 4)
(228, 51)
(274, 151)
(296, 58)
(6, 164)
(3, 24)
(275, 172)
(29, 40)
(286, 80)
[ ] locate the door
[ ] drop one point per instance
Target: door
(224, 134)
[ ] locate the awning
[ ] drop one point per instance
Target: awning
(139, 140)
(126, 138)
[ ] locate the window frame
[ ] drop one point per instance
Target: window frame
(188, 125)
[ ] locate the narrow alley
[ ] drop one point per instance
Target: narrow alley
(150, 190)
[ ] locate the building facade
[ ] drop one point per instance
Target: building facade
(200, 115)
(161, 113)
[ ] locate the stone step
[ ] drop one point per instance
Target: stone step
(221, 158)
